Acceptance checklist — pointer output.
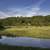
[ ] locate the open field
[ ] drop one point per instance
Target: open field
(29, 31)
(6, 47)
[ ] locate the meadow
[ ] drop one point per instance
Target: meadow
(27, 31)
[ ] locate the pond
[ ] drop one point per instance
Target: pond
(25, 41)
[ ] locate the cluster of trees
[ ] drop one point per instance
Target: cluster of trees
(31, 21)
(1, 26)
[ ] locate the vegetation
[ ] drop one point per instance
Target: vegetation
(1, 26)
(7, 47)
(35, 26)
(29, 21)
(29, 31)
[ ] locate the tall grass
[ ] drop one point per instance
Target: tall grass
(29, 31)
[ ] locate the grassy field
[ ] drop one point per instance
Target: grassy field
(28, 31)
(6, 47)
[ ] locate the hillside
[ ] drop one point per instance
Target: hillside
(29, 21)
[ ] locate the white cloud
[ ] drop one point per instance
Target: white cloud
(23, 12)
(44, 13)
(26, 11)
(19, 12)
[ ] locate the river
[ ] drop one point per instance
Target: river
(25, 41)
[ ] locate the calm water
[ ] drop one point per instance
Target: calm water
(25, 41)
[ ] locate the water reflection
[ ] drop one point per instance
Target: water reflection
(25, 41)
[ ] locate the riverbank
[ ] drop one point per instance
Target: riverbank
(27, 31)
(7, 47)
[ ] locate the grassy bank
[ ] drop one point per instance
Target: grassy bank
(6, 47)
(28, 31)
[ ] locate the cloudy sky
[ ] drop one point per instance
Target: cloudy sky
(24, 8)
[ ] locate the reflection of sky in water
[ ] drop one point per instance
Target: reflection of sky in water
(25, 41)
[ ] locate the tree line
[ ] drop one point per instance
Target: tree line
(29, 21)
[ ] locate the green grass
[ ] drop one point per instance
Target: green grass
(6, 47)
(28, 31)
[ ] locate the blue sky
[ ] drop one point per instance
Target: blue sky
(24, 7)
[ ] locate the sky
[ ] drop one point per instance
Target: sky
(11, 8)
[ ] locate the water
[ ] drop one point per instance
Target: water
(26, 41)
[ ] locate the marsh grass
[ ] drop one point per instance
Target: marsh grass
(28, 31)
